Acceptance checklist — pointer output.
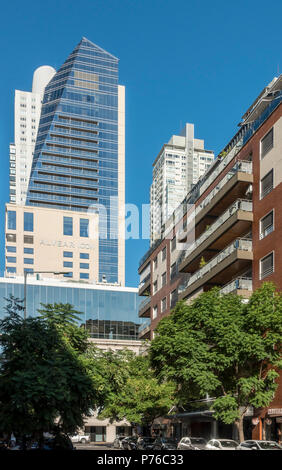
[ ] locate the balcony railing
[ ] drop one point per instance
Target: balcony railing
(241, 283)
(243, 166)
(144, 303)
(243, 244)
(144, 325)
(146, 279)
(240, 204)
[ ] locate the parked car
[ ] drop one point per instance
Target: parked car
(165, 443)
(145, 443)
(259, 445)
(82, 438)
(117, 444)
(192, 443)
(222, 444)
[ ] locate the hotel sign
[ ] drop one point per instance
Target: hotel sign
(63, 244)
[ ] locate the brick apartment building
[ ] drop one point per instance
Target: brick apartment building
(236, 208)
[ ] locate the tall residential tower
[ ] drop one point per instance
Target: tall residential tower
(179, 165)
(78, 166)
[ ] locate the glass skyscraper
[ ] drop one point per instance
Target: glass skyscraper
(78, 161)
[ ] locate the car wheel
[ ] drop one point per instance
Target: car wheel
(83, 441)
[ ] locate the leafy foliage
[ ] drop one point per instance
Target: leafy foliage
(221, 346)
(44, 379)
(132, 391)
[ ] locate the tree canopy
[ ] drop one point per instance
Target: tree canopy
(45, 384)
(224, 347)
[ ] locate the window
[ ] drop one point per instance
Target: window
(68, 254)
(11, 269)
(84, 255)
(84, 276)
(155, 287)
(28, 251)
(163, 304)
(266, 184)
(173, 298)
(266, 144)
(28, 239)
(173, 243)
(84, 265)
(28, 270)
(163, 279)
(11, 259)
(28, 221)
(173, 271)
(155, 312)
(11, 249)
(84, 223)
(28, 261)
(164, 254)
(68, 229)
(68, 275)
(266, 225)
(12, 220)
(267, 265)
(68, 264)
(11, 237)
(155, 263)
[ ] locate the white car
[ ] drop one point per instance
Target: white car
(222, 444)
(259, 445)
(83, 438)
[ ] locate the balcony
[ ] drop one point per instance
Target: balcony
(144, 330)
(144, 308)
(240, 286)
(233, 223)
(233, 186)
(235, 258)
(144, 286)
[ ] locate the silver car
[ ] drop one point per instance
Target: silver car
(259, 445)
(192, 443)
(222, 444)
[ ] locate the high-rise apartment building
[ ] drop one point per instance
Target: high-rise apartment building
(27, 110)
(78, 165)
(236, 231)
(178, 166)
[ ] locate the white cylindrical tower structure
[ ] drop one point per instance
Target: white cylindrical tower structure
(41, 77)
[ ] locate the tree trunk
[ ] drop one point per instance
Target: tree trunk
(240, 428)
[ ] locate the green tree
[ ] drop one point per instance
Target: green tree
(45, 384)
(131, 389)
(221, 346)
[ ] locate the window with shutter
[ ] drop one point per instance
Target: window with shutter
(266, 184)
(267, 265)
(266, 143)
(266, 225)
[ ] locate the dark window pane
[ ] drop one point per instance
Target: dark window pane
(12, 220)
(84, 223)
(68, 229)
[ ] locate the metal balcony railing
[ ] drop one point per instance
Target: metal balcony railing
(146, 279)
(244, 244)
(243, 166)
(241, 283)
(144, 303)
(144, 325)
(240, 204)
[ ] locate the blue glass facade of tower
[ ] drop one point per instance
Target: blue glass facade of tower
(75, 163)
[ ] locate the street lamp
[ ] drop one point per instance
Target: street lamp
(37, 272)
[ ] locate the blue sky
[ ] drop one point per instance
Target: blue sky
(181, 61)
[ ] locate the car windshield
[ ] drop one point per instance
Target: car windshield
(169, 441)
(269, 445)
(229, 444)
(197, 440)
(148, 439)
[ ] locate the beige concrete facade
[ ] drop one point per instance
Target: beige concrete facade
(49, 243)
